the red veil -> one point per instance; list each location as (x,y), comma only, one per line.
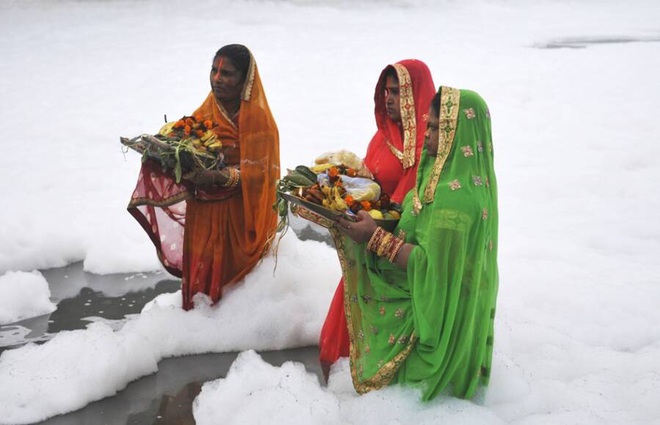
(393,153)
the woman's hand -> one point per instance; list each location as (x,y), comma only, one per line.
(360,230)
(206,177)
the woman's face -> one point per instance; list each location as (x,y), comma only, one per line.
(392,99)
(226,79)
(431,136)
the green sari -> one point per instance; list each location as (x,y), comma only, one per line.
(432,324)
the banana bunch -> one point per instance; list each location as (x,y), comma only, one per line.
(332,198)
(209,141)
(206,142)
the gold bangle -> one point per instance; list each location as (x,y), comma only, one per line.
(374,241)
(394,249)
(233,178)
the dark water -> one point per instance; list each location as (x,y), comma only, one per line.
(162,398)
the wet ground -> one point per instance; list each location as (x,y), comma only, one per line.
(162,398)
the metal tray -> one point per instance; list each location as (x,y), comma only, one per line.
(333,215)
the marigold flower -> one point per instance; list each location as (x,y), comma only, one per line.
(349,200)
(199,133)
(366,205)
(208,124)
(186,130)
(333,172)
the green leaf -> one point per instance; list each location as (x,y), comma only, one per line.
(177,165)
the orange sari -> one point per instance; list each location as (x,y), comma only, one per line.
(392,157)
(212,237)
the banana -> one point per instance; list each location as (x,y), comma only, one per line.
(209,140)
(340,204)
(335,200)
(166,129)
(320,168)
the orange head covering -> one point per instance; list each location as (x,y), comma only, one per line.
(257,138)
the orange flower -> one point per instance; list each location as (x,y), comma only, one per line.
(333,172)
(366,205)
(208,124)
(199,133)
(349,200)
(350,172)
(186,130)
(179,124)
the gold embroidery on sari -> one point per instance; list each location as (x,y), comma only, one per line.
(449,102)
(408,119)
(454,184)
(397,153)
(448,122)
(224,114)
(387,371)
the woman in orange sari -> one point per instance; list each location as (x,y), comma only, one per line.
(403,93)
(213,227)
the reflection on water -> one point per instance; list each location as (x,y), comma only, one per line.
(83,297)
(165,397)
(74,313)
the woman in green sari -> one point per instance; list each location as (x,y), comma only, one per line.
(420,302)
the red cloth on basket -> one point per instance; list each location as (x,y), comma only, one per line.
(392,157)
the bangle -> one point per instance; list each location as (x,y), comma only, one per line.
(385,244)
(394,249)
(233,178)
(375,239)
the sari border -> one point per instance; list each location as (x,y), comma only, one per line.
(224,113)
(179,197)
(448,123)
(408,119)
(246,95)
(388,371)
(449,107)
